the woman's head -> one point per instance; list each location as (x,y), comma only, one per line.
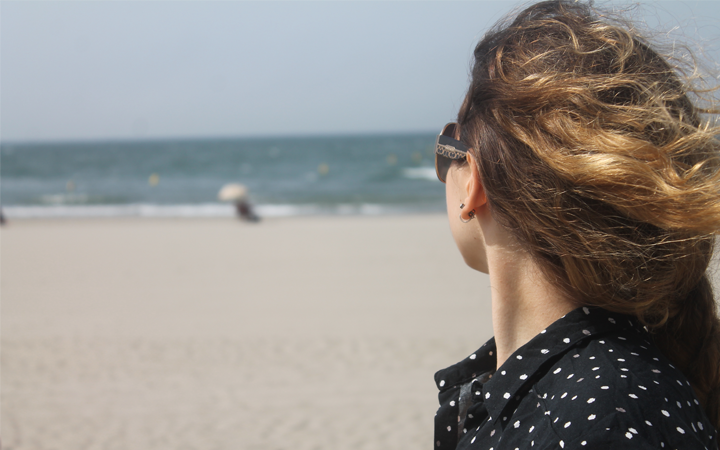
(593,156)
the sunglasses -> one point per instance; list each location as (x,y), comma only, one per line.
(447,150)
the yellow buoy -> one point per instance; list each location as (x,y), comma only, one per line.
(154,180)
(323,169)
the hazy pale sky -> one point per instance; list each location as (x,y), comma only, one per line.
(81,70)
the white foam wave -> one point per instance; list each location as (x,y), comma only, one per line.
(420,173)
(189,211)
(132,210)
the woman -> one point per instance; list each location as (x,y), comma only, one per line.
(582,178)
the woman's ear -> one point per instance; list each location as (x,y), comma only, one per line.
(476,198)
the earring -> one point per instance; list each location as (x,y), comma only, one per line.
(471,215)
(462,205)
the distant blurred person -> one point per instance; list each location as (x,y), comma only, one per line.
(238,194)
(245,211)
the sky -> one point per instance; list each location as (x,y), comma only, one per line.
(128,70)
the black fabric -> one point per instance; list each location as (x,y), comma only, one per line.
(591,380)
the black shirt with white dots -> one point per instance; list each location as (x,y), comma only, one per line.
(591,380)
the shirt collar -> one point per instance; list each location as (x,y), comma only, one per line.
(521,368)
(484,360)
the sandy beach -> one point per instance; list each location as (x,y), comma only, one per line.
(301,333)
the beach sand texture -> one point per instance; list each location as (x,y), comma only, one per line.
(301,333)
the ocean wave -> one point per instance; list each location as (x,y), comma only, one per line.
(420,173)
(131,210)
(205,210)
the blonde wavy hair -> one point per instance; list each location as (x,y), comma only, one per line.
(596,155)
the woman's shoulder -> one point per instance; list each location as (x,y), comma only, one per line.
(618,386)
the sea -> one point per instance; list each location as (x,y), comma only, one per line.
(285,176)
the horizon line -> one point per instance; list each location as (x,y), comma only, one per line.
(259,136)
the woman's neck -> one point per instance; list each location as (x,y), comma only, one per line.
(524,302)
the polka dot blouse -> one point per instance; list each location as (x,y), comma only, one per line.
(591,380)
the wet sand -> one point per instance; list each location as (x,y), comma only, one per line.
(303,333)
